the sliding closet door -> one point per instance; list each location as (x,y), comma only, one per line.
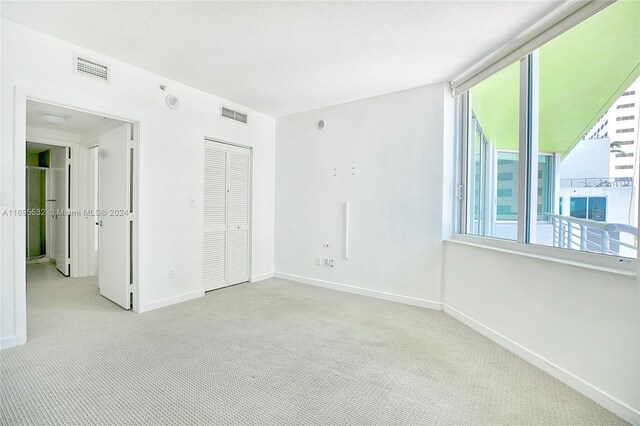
(226,215)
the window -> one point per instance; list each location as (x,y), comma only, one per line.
(538,169)
(593,208)
(493,157)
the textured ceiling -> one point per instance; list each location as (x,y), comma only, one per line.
(286,57)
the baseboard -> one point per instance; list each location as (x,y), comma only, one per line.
(362,291)
(262,277)
(172,300)
(609,402)
(7,342)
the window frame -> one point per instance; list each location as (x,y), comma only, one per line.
(527,185)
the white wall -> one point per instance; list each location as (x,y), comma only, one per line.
(579,324)
(171,163)
(583,321)
(395,143)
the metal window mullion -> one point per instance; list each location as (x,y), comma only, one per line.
(463,154)
(523,153)
(532,144)
(464,163)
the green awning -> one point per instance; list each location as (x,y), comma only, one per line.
(582,73)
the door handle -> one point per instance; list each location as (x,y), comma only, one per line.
(51,200)
(99,223)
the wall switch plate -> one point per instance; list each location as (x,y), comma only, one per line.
(172,272)
(192,202)
(325,261)
(318,261)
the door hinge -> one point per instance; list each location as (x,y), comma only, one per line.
(460,192)
(130,286)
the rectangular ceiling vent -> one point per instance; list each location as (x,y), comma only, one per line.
(233,115)
(91,68)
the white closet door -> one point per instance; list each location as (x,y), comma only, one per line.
(215,216)
(227,195)
(238,226)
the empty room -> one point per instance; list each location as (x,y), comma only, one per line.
(319,212)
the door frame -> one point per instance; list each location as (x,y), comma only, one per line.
(250,148)
(21,96)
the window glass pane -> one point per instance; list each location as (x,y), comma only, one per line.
(507,187)
(578,207)
(597,209)
(588,121)
(492,201)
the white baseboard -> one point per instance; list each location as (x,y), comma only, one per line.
(7,342)
(612,404)
(262,277)
(172,300)
(362,291)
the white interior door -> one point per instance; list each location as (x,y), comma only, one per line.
(58,202)
(215,216)
(114,185)
(226,215)
(238,213)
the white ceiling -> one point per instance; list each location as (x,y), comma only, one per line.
(286,57)
(81,125)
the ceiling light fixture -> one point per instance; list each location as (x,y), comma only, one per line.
(54,119)
(172,101)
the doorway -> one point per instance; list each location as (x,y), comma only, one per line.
(80,195)
(48,195)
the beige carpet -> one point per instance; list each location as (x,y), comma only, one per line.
(275,352)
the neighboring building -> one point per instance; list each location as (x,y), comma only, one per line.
(620,125)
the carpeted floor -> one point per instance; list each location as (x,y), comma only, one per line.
(275,352)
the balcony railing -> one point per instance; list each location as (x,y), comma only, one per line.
(596,182)
(594,236)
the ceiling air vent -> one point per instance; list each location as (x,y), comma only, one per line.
(91,68)
(233,115)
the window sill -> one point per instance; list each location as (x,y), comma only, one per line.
(610,264)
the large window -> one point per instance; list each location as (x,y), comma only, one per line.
(551,141)
(493,156)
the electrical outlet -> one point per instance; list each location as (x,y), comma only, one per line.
(332,262)
(325,261)
(172,272)
(318,261)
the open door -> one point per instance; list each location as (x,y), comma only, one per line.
(58,202)
(114,195)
